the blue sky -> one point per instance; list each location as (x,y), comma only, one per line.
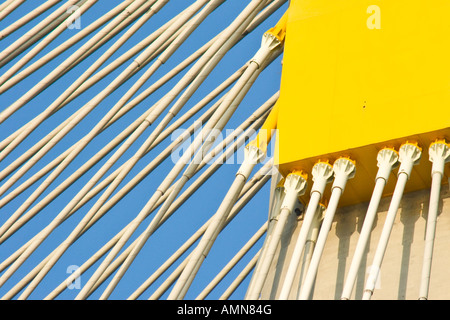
(191,215)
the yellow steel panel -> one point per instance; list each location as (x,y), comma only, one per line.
(359,75)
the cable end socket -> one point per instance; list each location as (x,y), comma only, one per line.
(439,155)
(387,159)
(322,173)
(344,169)
(409,155)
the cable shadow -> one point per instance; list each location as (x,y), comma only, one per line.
(414,205)
(285,240)
(346,225)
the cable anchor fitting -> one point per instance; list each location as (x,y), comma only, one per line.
(344,169)
(409,155)
(439,155)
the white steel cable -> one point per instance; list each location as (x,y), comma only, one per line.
(409,155)
(28,291)
(344,169)
(236,24)
(28,17)
(439,154)
(294,186)
(180,200)
(387,159)
(322,173)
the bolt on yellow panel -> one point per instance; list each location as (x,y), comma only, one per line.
(360,75)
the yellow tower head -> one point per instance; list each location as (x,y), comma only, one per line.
(359,76)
